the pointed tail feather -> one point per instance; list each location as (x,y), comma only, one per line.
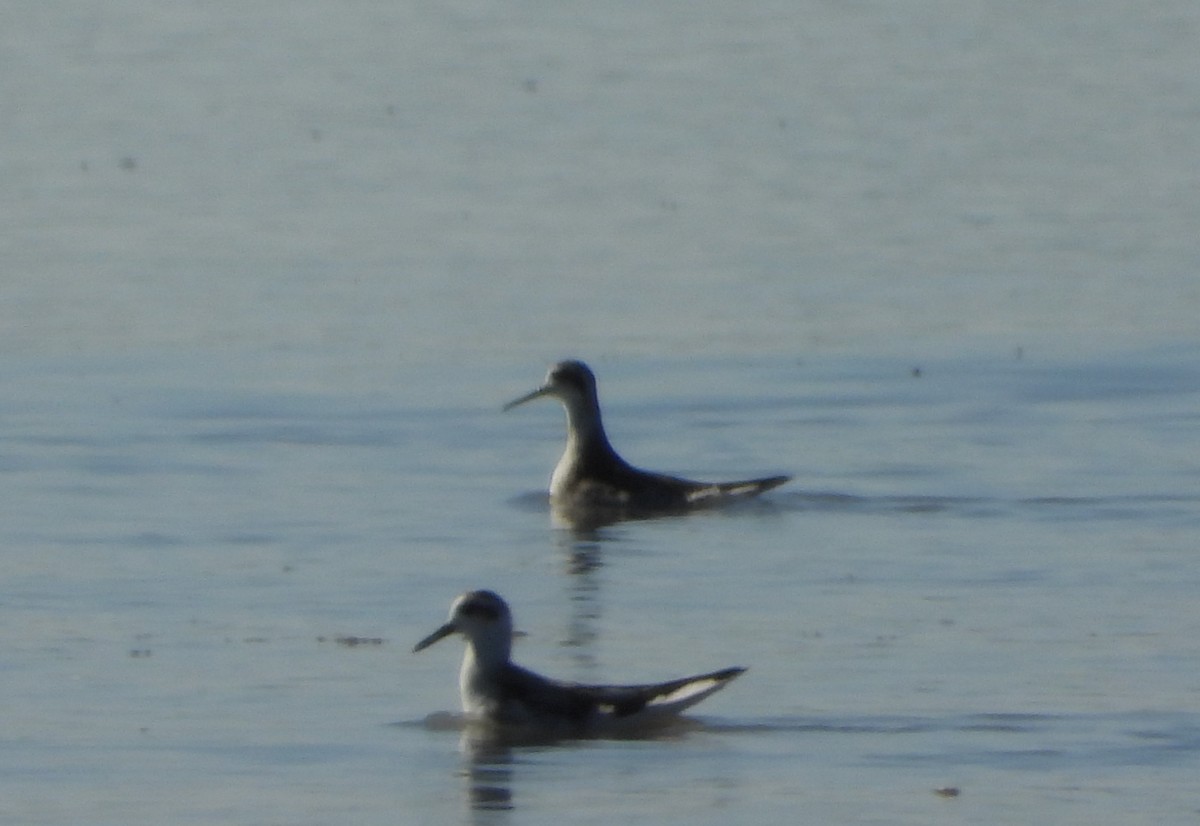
(669,699)
(753,487)
(731,490)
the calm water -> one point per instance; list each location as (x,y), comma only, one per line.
(271,271)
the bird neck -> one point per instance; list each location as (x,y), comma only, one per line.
(489,652)
(585,430)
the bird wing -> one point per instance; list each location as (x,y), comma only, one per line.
(539,698)
(611,482)
(668,698)
(724,490)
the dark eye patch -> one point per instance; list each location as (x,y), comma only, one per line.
(480,609)
(573,373)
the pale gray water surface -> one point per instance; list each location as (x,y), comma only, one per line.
(983,578)
(271,270)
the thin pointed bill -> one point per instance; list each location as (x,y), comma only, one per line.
(544,390)
(445,631)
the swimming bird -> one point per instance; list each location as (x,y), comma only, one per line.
(495,690)
(590,474)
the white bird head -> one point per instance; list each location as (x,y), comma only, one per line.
(571,382)
(484,619)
